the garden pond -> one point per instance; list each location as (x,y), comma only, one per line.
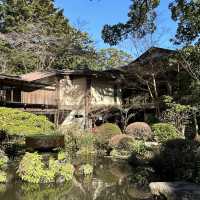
(110,181)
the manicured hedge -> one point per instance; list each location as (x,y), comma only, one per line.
(19,123)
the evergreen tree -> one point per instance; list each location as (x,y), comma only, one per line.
(34,35)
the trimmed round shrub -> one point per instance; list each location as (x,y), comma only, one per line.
(105,132)
(121,142)
(19,123)
(164,131)
(139,130)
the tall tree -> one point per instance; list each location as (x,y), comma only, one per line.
(112,58)
(34,35)
(142,21)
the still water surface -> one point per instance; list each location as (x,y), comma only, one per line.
(109,182)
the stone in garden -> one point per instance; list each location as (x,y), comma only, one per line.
(45,142)
(176,190)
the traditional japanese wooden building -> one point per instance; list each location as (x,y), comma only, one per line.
(74,95)
(64,96)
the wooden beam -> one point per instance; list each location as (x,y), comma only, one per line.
(87,102)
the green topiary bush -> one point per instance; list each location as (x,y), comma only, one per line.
(164,132)
(16,122)
(32,169)
(139,131)
(105,132)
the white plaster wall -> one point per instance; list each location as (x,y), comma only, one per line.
(102,94)
(72,92)
(72,97)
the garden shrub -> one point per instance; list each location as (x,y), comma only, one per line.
(77,140)
(87,144)
(3,177)
(3,160)
(3,166)
(67,171)
(33,170)
(87,140)
(142,176)
(138,147)
(164,131)
(121,145)
(178,161)
(116,140)
(105,132)
(17,122)
(72,133)
(86,169)
(139,130)
(120,155)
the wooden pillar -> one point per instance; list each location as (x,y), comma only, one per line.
(57,114)
(12,95)
(87,102)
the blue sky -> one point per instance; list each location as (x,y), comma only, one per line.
(94,14)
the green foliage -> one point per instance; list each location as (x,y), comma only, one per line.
(164,132)
(87,144)
(72,133)
(112,58)
(152,119)
(138,147)
(63,156)
(32,169)
(11,122)
(176,114)
(86,169)
(67,171)
(142,176)
(189,57)
(3,177)
(186,13)
(3,160)
(36,192)
(3,166)
(105,132)
(141,21)
(177,160)
(47,40)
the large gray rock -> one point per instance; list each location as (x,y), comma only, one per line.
(45,142)
(176,190)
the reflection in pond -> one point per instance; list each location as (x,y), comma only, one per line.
(110,181)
